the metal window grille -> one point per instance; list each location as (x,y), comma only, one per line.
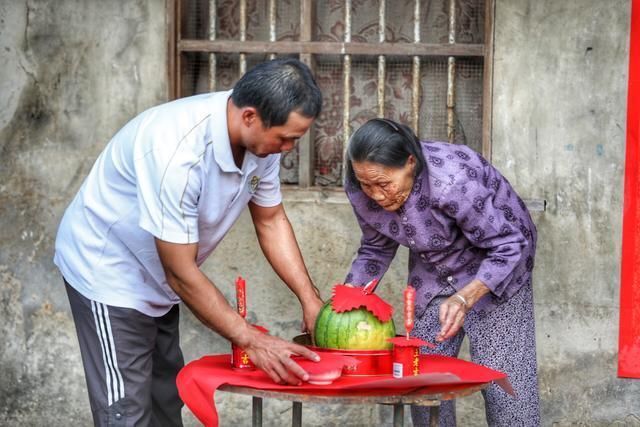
(424,63)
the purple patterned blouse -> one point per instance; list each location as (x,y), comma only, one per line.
(462,221)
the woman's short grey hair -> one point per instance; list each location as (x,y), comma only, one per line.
(385,142)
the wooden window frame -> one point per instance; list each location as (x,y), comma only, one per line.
(307,49)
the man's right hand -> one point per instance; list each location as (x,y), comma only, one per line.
(273,356)
(269,353)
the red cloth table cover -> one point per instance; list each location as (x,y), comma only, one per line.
(198,381)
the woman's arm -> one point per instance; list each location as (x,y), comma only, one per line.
(374,255)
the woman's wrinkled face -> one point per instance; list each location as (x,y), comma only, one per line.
(387,186)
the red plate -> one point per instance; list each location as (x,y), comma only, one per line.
(327,369)
(372,362)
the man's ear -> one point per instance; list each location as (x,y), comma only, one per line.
(249,116)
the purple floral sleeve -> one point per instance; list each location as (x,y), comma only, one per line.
(374,255)
(488,224)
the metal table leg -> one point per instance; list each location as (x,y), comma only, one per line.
(296,420)
(398,415)
(256,412)
(434,416)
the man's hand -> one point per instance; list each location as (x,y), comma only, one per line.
(310,311)
(273,356)
(454,309)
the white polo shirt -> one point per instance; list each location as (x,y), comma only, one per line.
(168,173)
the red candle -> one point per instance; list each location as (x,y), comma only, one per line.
(409,308)
(241,296)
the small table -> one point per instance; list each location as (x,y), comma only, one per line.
(441,378)
(430,398)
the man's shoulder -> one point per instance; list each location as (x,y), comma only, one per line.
(186,118)
(177,105)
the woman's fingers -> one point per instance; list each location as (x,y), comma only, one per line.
(445,331)
(444,310)
(451,318)
(455,325)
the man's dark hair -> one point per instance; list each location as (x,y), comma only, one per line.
(385,142)
(276,88)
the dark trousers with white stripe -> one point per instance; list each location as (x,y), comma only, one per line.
(130,361)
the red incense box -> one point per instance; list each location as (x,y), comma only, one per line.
(371,362)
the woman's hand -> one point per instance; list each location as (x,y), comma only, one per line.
(454,309)
(452,314)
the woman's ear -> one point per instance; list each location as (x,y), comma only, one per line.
(411,162)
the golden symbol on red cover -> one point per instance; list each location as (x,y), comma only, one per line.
(245,358)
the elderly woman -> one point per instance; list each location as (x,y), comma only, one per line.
(471,249)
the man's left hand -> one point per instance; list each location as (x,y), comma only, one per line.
(310,311)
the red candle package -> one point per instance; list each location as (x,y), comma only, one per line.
(406,356)
(239,358)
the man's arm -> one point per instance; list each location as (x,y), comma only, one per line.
(269,353)
(280,247)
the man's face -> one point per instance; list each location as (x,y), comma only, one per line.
(263,141)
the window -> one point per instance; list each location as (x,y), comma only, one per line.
(424,63)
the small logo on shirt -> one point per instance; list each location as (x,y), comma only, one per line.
(253,184)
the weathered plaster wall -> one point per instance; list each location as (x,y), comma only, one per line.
(559,134)
(73,72)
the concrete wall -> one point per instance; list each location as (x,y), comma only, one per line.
(559,134)
(73,72)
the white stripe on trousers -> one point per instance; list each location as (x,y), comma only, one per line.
(115,384)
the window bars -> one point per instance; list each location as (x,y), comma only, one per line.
(353,50)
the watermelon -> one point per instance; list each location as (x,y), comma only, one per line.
(356,329)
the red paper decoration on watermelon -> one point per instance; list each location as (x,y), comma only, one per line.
(347,298)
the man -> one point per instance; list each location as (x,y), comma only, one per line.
(157,202)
